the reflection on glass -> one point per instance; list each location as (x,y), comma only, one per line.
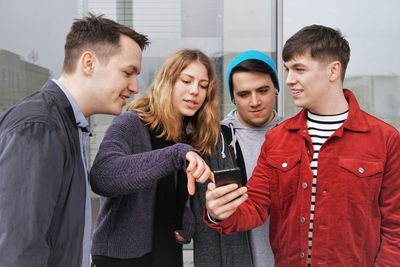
(219,28)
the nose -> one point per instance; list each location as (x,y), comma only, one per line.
(254,100)
(194,88)
(133,85)
(290,79)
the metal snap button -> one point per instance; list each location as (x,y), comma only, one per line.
(284,165)
(361,170)
(302,219)
(305,185)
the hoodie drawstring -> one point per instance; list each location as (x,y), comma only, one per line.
(223,146)
(234,139)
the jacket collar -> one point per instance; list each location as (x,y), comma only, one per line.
(355,121)
(60,98)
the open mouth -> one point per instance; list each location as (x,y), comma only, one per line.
(296,92)
(190,103)
(123,98)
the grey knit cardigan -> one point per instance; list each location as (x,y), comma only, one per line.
(125,174)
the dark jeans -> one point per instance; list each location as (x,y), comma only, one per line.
(103,261)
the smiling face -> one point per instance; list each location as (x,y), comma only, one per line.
(254,95)
(190,89)
(309,82)
(115,79)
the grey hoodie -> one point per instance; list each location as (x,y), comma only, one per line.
(250,142)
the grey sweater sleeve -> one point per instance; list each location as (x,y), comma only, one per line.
(126,163)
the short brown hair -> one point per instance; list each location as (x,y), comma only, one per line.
(322,42)
(100,35)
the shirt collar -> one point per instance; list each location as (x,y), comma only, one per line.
(356,120)
(81,121)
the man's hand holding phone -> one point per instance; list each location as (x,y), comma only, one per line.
(222,201)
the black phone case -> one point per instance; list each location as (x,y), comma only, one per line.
(228,176)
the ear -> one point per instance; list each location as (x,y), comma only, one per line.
(335,72)
(87,62)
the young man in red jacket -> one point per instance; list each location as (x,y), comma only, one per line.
(329,178)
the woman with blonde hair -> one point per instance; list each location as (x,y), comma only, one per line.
(139,171)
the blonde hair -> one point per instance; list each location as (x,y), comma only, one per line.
(157,111)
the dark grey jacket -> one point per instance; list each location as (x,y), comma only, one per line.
(210,248)
(42,183)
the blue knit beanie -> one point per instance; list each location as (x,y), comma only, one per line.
(251,54)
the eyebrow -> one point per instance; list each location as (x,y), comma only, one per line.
(191,76)
(258,88)
(133,68)
(295,65)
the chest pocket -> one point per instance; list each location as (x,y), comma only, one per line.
(361,168)
(286,173)
(361,180)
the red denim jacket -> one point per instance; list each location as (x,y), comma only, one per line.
(357,213)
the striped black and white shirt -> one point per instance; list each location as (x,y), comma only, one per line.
(320,128)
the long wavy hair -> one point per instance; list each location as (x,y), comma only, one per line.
(156,109)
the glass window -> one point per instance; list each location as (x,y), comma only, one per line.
(33,36)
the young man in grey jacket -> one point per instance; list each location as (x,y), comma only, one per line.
(253,85)
(44,193)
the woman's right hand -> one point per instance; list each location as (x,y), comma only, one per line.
(197,171)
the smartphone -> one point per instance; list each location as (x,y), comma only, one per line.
(228,176)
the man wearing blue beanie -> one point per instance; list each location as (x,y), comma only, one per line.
(252,81)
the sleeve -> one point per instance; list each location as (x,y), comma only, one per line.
(31,168)
(254,211)
(389,202)
(121,167)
